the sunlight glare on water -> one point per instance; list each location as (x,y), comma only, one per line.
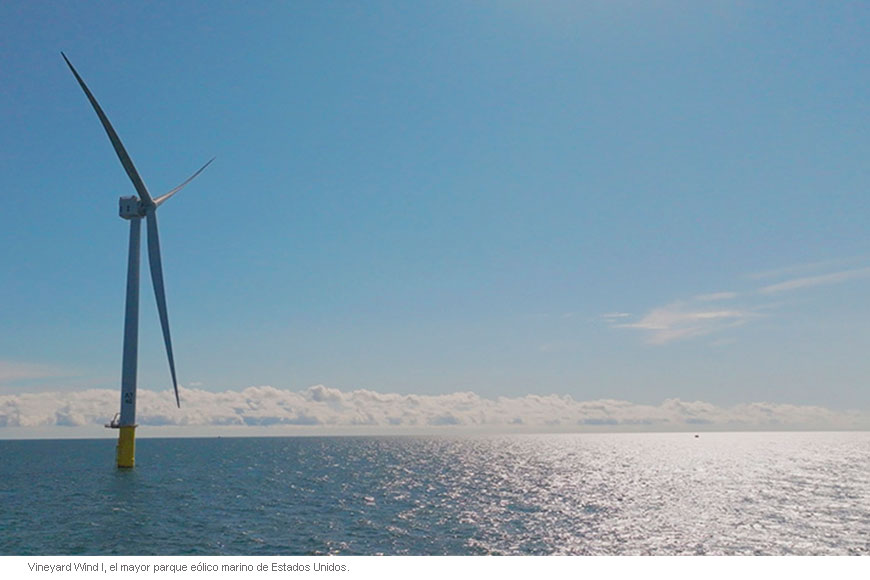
(626,494)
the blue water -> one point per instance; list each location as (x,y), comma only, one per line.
(735,493)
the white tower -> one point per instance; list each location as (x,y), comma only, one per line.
(134,209)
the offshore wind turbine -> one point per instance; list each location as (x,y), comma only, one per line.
(134,209)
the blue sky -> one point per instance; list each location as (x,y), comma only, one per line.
(604,199)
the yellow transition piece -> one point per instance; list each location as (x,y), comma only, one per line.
(126,446)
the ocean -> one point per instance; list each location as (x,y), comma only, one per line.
(588,494)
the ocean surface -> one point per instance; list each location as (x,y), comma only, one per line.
(617,494)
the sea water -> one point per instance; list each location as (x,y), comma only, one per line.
(619,494)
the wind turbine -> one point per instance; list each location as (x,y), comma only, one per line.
(134,209)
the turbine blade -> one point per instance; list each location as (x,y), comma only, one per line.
(159,292)
(172,192)
(113,137)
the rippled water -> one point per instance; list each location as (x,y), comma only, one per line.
(734,493)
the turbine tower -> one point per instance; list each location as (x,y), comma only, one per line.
(134,209)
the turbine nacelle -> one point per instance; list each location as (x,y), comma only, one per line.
(131,208)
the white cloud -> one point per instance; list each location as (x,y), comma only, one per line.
(615,315)
(320,409)
(820,280)
(806,269)
(693,318)
(716,296)
(681,320)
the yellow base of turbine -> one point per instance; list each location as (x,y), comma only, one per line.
(126,449)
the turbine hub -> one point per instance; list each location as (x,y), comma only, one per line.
(131,207)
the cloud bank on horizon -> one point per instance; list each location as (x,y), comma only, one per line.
(320,408)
